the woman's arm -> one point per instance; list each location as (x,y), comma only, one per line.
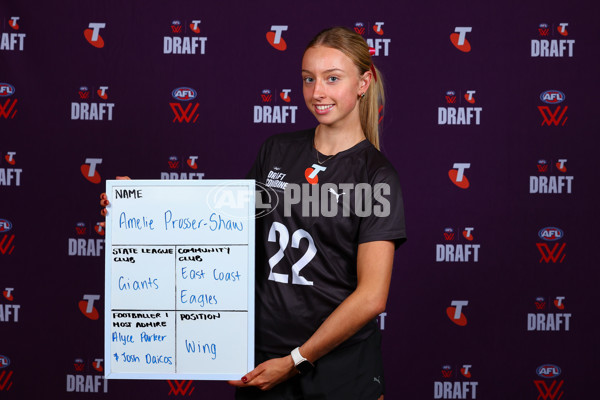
(374,273)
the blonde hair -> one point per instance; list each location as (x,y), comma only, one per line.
(356,49)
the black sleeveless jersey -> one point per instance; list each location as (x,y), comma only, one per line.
(313,214)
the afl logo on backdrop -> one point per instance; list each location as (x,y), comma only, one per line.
(551,234)
(5,225)
(548,371)
(552,97)
(184,94)
(6,89)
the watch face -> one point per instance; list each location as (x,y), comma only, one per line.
(304,367)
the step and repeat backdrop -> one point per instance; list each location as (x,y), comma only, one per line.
(490,121)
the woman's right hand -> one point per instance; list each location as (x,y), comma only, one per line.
(104,200)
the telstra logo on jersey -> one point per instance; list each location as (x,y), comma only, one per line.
(7,103)
(10,176)
(86,243)
(184,94)
(275,39)
(457,252)
(551,184)
(92,34)
(311,174)
(459,38)
(459,115)
(13,41)
(9,312)
(92,111)
(551,234)
(457,175)
(86,306)
(88,170)
(265,113)
(464,388)
(553,117)
(552,47)
(185,44)
(179,170)
(454,312)
(543,320)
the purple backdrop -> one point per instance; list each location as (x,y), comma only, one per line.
(493,281)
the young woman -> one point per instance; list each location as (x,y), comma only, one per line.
(323,272)
(324,261)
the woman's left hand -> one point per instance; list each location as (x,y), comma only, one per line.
(268,374)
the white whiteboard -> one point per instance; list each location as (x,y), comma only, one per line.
(179,279)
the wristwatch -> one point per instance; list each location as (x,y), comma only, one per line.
(302,364)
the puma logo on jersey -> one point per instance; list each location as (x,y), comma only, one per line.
(337,196)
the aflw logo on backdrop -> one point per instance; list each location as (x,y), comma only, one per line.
(375,37)
(7,102)
(552,250)
(269,112)
(556,116)
(13,40)
(7,237)
(184,95)
(86,110)
(548,47)
(185,39)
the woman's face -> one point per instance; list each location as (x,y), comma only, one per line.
(332,86)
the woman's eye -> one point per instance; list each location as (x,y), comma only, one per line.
(333,78)
(307,79)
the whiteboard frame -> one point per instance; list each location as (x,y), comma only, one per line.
(249,184)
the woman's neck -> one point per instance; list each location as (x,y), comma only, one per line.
(329,141)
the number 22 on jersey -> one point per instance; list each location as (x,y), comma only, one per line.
(284,238)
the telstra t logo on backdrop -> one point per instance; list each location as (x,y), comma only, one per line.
(92,34)
(86,306)
(88,170)
(275,38)
(457,175)
(459,38)
(454,312)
